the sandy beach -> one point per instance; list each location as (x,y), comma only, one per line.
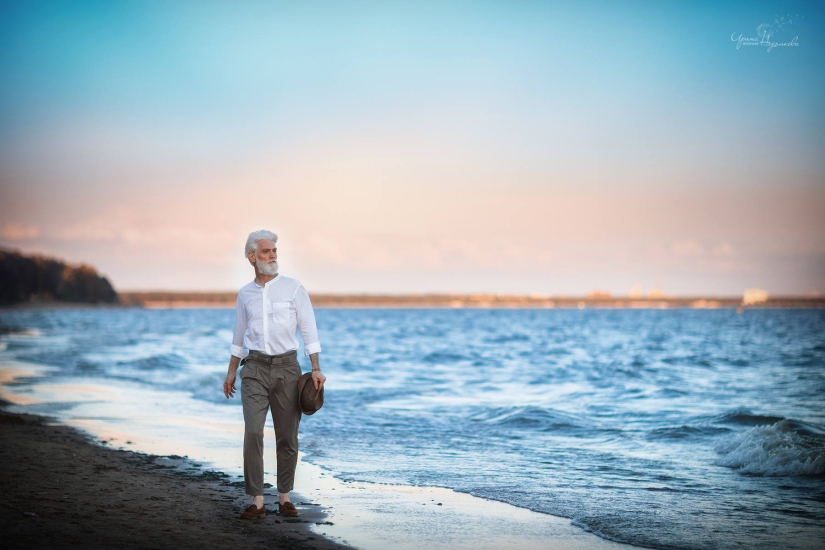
(60,490)
(80,485)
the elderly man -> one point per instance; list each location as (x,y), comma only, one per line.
(268,315)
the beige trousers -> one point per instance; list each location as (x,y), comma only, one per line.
(270,381)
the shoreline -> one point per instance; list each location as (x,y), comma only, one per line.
(93,496)
(87,480)
(62,489)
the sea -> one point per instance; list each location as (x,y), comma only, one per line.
(662,428)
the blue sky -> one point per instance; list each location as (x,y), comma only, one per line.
(412,147)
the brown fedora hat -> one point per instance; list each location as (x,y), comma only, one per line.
(310,399)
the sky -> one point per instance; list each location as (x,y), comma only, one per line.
(411,147)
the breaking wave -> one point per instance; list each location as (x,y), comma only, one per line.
(786,448)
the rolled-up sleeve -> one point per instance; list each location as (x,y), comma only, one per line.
(237,348)
(306,321)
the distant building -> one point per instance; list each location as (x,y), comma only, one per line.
(705,304)
(635,292)
(656,293)
(598,294)
(754,296)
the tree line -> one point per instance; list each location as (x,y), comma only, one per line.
(26,278)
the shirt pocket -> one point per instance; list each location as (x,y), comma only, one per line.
(282,312)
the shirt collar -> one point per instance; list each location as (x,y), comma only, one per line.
(278,276)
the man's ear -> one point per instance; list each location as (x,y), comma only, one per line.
(251,258)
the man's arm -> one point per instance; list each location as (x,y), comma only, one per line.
(236,349)
(306,321)
(229,383)
(309,332)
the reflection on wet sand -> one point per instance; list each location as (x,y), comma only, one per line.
(13,373)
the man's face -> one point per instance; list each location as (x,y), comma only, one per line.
(266,257)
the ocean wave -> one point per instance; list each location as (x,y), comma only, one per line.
(684,432)
(746,418)
(805,359)
(531,416)
(786,448)
(557,350)
(444,357)
(162,362)
(19,331)
(507,338)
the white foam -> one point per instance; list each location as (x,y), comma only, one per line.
(786,448)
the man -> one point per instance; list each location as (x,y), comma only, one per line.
(268,315)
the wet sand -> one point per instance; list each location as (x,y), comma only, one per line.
(60,490)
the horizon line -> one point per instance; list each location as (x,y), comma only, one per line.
(599,295)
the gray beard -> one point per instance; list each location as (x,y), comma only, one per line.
(268,269)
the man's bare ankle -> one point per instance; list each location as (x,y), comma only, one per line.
(283,497)
(258,501)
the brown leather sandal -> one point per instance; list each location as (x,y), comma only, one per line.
(287,509)
(253,512)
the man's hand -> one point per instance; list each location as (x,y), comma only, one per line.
(229,385)
(318,379)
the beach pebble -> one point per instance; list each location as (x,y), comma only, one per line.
(29,515)
(439,504)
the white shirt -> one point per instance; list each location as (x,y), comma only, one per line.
(267,318)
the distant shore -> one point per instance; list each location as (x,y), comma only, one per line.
(194,300)
(156,299)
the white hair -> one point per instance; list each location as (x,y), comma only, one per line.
(255,236)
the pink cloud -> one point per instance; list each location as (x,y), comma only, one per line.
(18,231)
